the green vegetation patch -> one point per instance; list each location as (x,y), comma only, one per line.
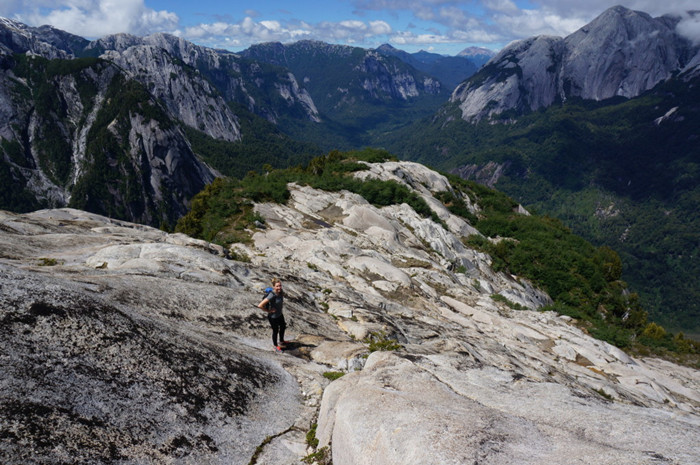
(333,375)
(612,170)
(379,340)
(262,143)
(583,280)
(223,211)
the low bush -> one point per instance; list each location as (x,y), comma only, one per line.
(379,341)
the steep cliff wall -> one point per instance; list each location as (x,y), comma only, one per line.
(81,133)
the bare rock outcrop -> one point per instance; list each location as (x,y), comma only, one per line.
(122,343)
(190,97)
(434,409)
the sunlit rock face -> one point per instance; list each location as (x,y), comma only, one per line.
(122,343)
(622,53)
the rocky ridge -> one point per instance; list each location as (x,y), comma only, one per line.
(620,53)
(183,88)
(16,37)
(127,344)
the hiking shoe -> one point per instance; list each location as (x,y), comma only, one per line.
(278,349)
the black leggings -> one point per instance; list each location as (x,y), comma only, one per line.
(278,326)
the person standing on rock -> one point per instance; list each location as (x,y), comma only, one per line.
(272,303)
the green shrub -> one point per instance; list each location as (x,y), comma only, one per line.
(321,456)
(311,439)
(333,375)
(48,261)
(379,341)
(509,303)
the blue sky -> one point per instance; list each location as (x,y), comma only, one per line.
(441,26)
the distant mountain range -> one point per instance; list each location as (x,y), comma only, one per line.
(168,116)
(132,127)
(107,125)
(447,69)
(359,93)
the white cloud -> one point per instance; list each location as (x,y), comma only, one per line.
(452,16)
(379,27)
(408,38)
(96,18)
(476,36)
(248,31)
(690,27)
(272,25)
(352,31)
(245,32)
(455,37)
(502,6)
(532,22)
(352,24)
(485,22)
(589,9)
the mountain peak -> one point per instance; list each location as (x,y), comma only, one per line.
(12,24)
(387,47)
(622,52)
(471,51)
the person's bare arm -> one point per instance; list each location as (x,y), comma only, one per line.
(262,305)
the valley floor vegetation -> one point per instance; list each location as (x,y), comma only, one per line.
(619,172)
(583,281)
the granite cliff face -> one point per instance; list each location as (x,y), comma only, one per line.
(126,344)
(620,53)
(84,134)
(188,96)
(271,93)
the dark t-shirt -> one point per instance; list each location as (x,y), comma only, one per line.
(276,302)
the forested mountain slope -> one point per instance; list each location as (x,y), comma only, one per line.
(621,172)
